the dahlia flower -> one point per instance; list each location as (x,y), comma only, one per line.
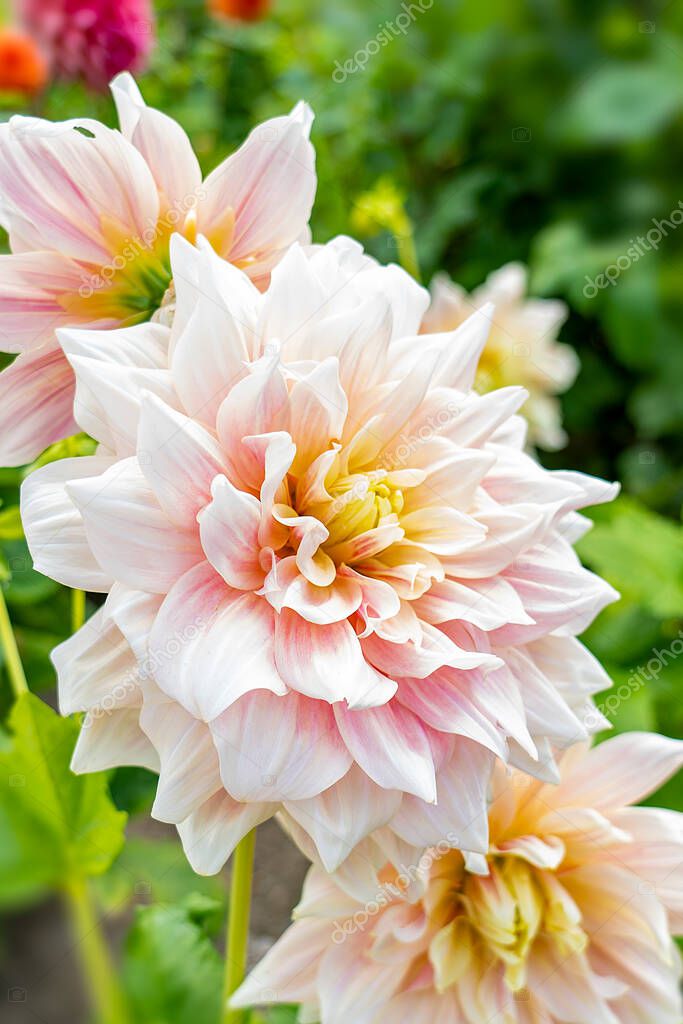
(91,40)
(23,67)
(90,212)
(522,346)
(338,585)
(566,919)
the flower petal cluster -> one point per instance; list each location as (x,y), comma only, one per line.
(90,213)
(338,587)
(522,346)
(92,40)
(568,917)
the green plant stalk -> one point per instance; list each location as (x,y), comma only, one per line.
(106,996)
(238,925)
(407,253)
(15,669)
(100,975)
(77,609)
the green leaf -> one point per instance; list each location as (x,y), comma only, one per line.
(156,870)
(172,971)
(640,553)
(10,524)
(621,103)
(53,824)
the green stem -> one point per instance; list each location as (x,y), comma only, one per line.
(99,973)
(77,609)
(15,669)
(238,925)
(407,253)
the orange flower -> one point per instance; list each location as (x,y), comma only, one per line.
(242,10)
(22,65)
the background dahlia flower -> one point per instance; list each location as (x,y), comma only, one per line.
(522,346)
(23,67)
(338,585)
(567,918)
(90,213)
(91,40)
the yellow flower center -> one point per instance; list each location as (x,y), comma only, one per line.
(497,917)
(361,502)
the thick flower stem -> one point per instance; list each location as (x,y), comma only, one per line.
(15,669)
(77,609)
(238,925)
(106,996)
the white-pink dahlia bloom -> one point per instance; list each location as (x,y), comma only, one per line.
(566,920)
(522,346)
(347,587)
(90,212)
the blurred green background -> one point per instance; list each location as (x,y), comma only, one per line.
(537,130)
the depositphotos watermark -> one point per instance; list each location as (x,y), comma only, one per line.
(391,891)
(639,678)
(388,31)
(638,247)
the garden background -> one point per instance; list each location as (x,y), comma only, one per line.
(493,130)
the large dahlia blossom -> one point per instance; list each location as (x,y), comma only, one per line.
(90,213)
(345,587)
(566,920)
(522,346)
(91,40)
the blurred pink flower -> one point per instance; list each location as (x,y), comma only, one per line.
(567,918)
(90,212)
(343,586)
(91,40)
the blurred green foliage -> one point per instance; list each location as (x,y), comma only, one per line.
(547,131)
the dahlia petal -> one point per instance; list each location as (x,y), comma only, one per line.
(460,814)
(275,453)
(202,279)
(270,184)
(36,400)
(228,527)
(210,834)
(547,713)
(140,347)
(326,662)
(655,854)
(61,186)
(566,986)
(379,600)
(547,853)
(178,458)
(486,603)
(129,534)
(510,531)
(443,531)
(318,408)
(226,643)
(112,740)
(391,746)
(35,293)
(314,563)
(96,668)
(434,651)
(108,398)
(162,142)
(343,815)
(257,404)
(134,612)
(442,706)
(54,527)
(452,478)
(285,587)
(278,748)
(347,993)
(288,971)
(188,772)
(481,415)
(621,771)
